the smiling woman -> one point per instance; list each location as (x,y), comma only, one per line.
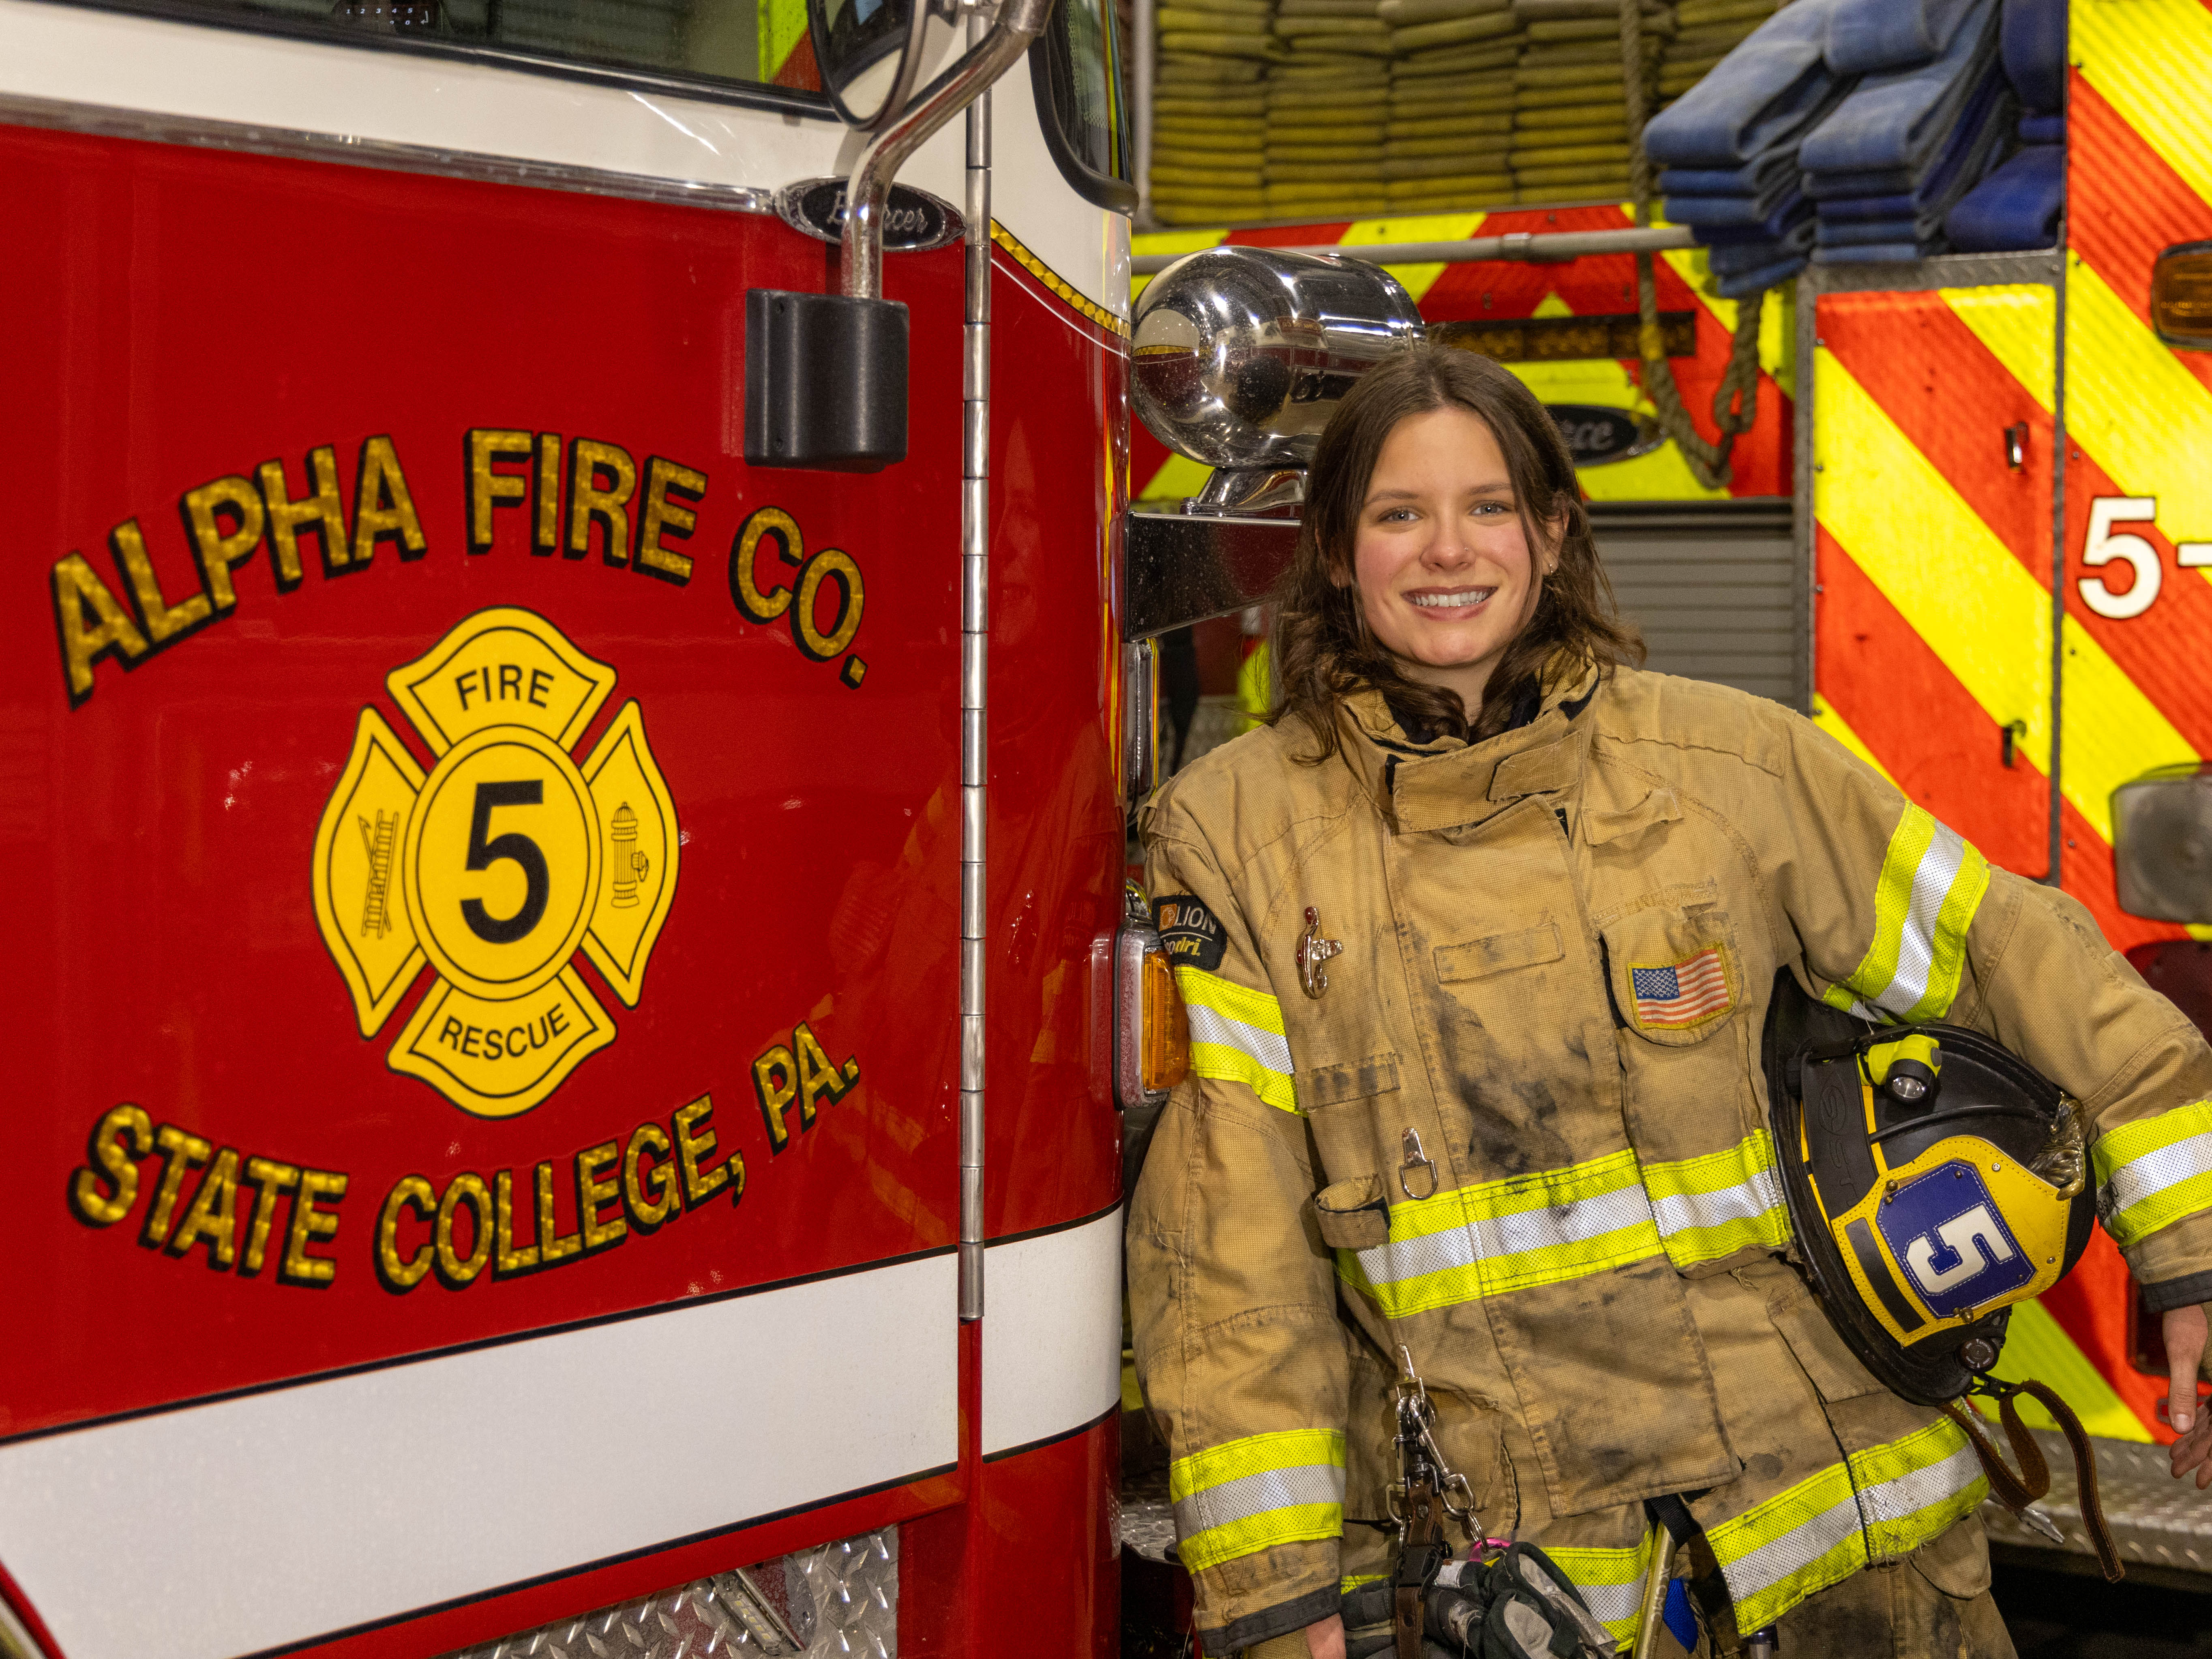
(1445,557)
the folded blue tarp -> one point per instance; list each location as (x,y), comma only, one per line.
(1731,211)
(1864,210)
(2035,52)
(2015,207)
(1975,143)
(1777,226)
(1899,120)
(1906,229)
(1874,253)
(1767,180)
(1771,88)
(2042,129)
(1866,182)
(1866,37)
(1755,281)
(1734,261)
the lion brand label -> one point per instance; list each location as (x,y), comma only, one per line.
(1191,933)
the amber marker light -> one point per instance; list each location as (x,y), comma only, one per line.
(2181,296)
(1165,1038)
(1152,1033)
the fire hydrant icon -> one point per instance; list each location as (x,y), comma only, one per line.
(628,865)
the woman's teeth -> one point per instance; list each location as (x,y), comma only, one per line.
(1452,601)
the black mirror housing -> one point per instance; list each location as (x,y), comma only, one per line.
(825,381)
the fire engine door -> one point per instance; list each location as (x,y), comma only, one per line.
(478,847)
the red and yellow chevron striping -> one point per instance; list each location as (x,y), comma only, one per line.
(1912,718)
(1913,490)
(1935,556)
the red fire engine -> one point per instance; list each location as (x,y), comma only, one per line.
(512,832)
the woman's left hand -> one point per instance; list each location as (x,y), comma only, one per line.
(2185,1331)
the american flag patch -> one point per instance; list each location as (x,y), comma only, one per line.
(1682,994)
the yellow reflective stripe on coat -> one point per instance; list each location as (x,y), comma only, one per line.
(1236,1035)
(1251,1494)
(1611,1583)
(2155,1172)
(1507,1235)
(1711,1206)
(1930,885)
(1878,1504)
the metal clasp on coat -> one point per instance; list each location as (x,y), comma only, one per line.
(1313,951)
(1416,1159)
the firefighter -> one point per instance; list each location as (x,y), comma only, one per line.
(1477,939)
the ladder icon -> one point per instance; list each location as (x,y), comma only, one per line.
(375,916)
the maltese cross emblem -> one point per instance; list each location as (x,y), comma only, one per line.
(497,865)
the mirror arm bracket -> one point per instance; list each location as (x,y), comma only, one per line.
(861,251)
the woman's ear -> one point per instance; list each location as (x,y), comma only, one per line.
(1554,532)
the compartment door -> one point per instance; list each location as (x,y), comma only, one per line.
(1932,501)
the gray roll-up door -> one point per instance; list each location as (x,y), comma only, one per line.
(1715,588)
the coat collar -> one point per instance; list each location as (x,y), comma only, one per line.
(1446,783)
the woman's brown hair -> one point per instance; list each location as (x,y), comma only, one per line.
(1323,647)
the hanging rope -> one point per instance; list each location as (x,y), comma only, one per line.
(1735,401)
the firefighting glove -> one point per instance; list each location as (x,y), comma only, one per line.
(1370,1623)
(1534,1611)
(1519,1606)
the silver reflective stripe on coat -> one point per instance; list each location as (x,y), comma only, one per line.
(1488,1238)
(1916,949)
(1271,1050)
(1255,1494)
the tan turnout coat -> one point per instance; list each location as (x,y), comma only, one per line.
(1592,1272)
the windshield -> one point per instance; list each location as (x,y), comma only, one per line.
(1082,103)
(733,44)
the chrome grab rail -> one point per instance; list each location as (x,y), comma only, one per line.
(1539,247)
(860,260)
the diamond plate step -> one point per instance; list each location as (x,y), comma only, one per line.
(2156,1521)
(1147,1517)
(835,1601)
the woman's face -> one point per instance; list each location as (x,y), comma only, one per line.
(1445,574)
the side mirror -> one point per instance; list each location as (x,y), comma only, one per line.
(869,52)
(1240,356)
(826,373)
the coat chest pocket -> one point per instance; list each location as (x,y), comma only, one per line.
(1675,973)
(1349,1109)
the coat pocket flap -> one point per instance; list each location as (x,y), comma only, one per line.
(1500,953)
(1353,1215)
(1660,806)
(1332,1086)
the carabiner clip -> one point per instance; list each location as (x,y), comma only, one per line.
(1416,1159)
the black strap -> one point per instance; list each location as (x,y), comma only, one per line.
(1671,1511)
(2017,1492)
